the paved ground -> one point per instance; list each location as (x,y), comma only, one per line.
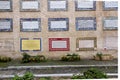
(58,68)
(49,63)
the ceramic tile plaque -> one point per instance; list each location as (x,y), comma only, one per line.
(58,24)
(30,24)
(28,45)
(85,23)
(111,23)
(5,5)
(6,45)
(111,42)
(5,24)
(110,5)
(30,5)
(59,44)
(86,43)
(84,5)
(57,5)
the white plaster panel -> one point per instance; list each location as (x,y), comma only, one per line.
(4,4)
(111,4)
(58,4)
(30,5)
(85,23)
(59,44)
(85,4)
(5,25)
(58,24)
(111,23)
(30,25)
(86,43)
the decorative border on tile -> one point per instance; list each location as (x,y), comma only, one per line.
(86,49)
(11,25)
(57,9)
(30,19)
(58,19)
(29,10)
(85,9)
(85,18)
(28,39)
(21,44)
(107,9)
(59,49)
(7,10)
(110,28)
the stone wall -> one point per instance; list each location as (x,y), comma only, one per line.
(10,41)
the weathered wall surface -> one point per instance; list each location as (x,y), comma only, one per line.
(14,37)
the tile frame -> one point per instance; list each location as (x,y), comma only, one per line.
(54,10)
(108,9)
(30,39)
(29,10)
(86,49)
(59,39)
(30,19)
(58,19)
(85,9)
(111,28)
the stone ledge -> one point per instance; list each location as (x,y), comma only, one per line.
(52,75)
(60,66)
(54,66)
